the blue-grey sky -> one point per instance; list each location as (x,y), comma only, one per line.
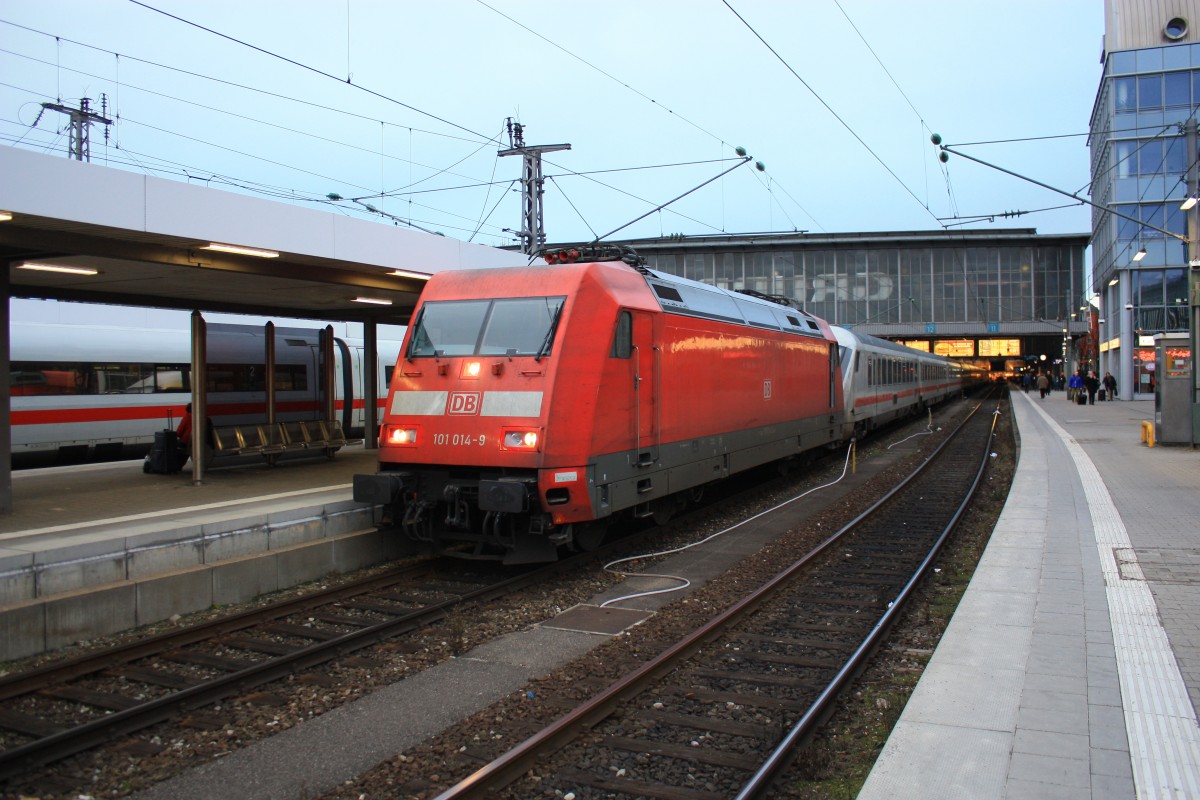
(628,83)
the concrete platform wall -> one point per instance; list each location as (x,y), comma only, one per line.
(92,585)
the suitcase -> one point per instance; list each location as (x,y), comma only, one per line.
(1101,395)
(1081,398)
(164,457)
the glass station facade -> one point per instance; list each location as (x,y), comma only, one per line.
(1140,162)
(967,288)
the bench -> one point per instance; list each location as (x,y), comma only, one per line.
(234,443)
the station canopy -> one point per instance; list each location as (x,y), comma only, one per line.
(133,239)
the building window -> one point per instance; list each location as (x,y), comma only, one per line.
(1175,29)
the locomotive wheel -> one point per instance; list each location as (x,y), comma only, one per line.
(588,536)
(665,508)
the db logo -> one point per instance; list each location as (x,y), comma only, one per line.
(466,403)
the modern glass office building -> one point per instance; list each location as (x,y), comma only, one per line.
(1149,91)
(1002,296)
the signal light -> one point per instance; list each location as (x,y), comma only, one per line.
(472,369)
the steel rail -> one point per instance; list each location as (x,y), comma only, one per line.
(102,729)
(761,782)
(89,663)
(516,762)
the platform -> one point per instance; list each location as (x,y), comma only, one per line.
(1072,666)
(100,548)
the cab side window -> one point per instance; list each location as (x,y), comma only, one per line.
(622,346)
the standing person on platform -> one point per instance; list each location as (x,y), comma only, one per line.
(1074,386)
(1110,386)
(1026,382)
(1043,382)
(1092,384)
(184,432)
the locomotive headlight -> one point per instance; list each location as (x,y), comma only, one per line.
(400,436)
(472,369)
(519,440)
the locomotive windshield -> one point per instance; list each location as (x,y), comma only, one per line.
(520,326)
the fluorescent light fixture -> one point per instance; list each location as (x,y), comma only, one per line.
(5,216)
(373,300)
(56,268)
(241,251)
(1139,255)
(1187,204)
(1114,281)
(403,273)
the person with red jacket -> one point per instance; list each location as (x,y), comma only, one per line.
(184,433)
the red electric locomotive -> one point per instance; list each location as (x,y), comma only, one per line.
(530,406)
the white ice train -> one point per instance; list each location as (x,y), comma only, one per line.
(100,392)
(883,381)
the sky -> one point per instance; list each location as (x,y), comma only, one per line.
(402,106)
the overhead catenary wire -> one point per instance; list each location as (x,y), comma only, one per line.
(396,193)
(574,207)
(921,117)
(589,177)
(222,81)
(315,71)
(242,183)
(636,91)
(608,75)
(828,108)
(745,160)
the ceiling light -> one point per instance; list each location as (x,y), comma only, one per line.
(57,268)
(403,273)
(5,216)
(1139,255)
(241,251)
(1187,204)
(373,300)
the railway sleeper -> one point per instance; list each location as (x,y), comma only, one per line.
(683,753)
(154,677)
(711,696)
(26,724)
(77,694)
(760,679)
(747,730)
(634,788)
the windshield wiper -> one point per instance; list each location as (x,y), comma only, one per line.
(549,334)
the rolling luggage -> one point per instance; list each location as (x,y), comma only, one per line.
(164,457)
(1081,398)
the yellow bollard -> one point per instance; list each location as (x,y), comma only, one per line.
(1148,432)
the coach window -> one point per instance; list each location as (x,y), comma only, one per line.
(622,346)
(168,379)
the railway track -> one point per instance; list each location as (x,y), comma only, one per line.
(82,704)
(720,713)
(69,707)
(72,706)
